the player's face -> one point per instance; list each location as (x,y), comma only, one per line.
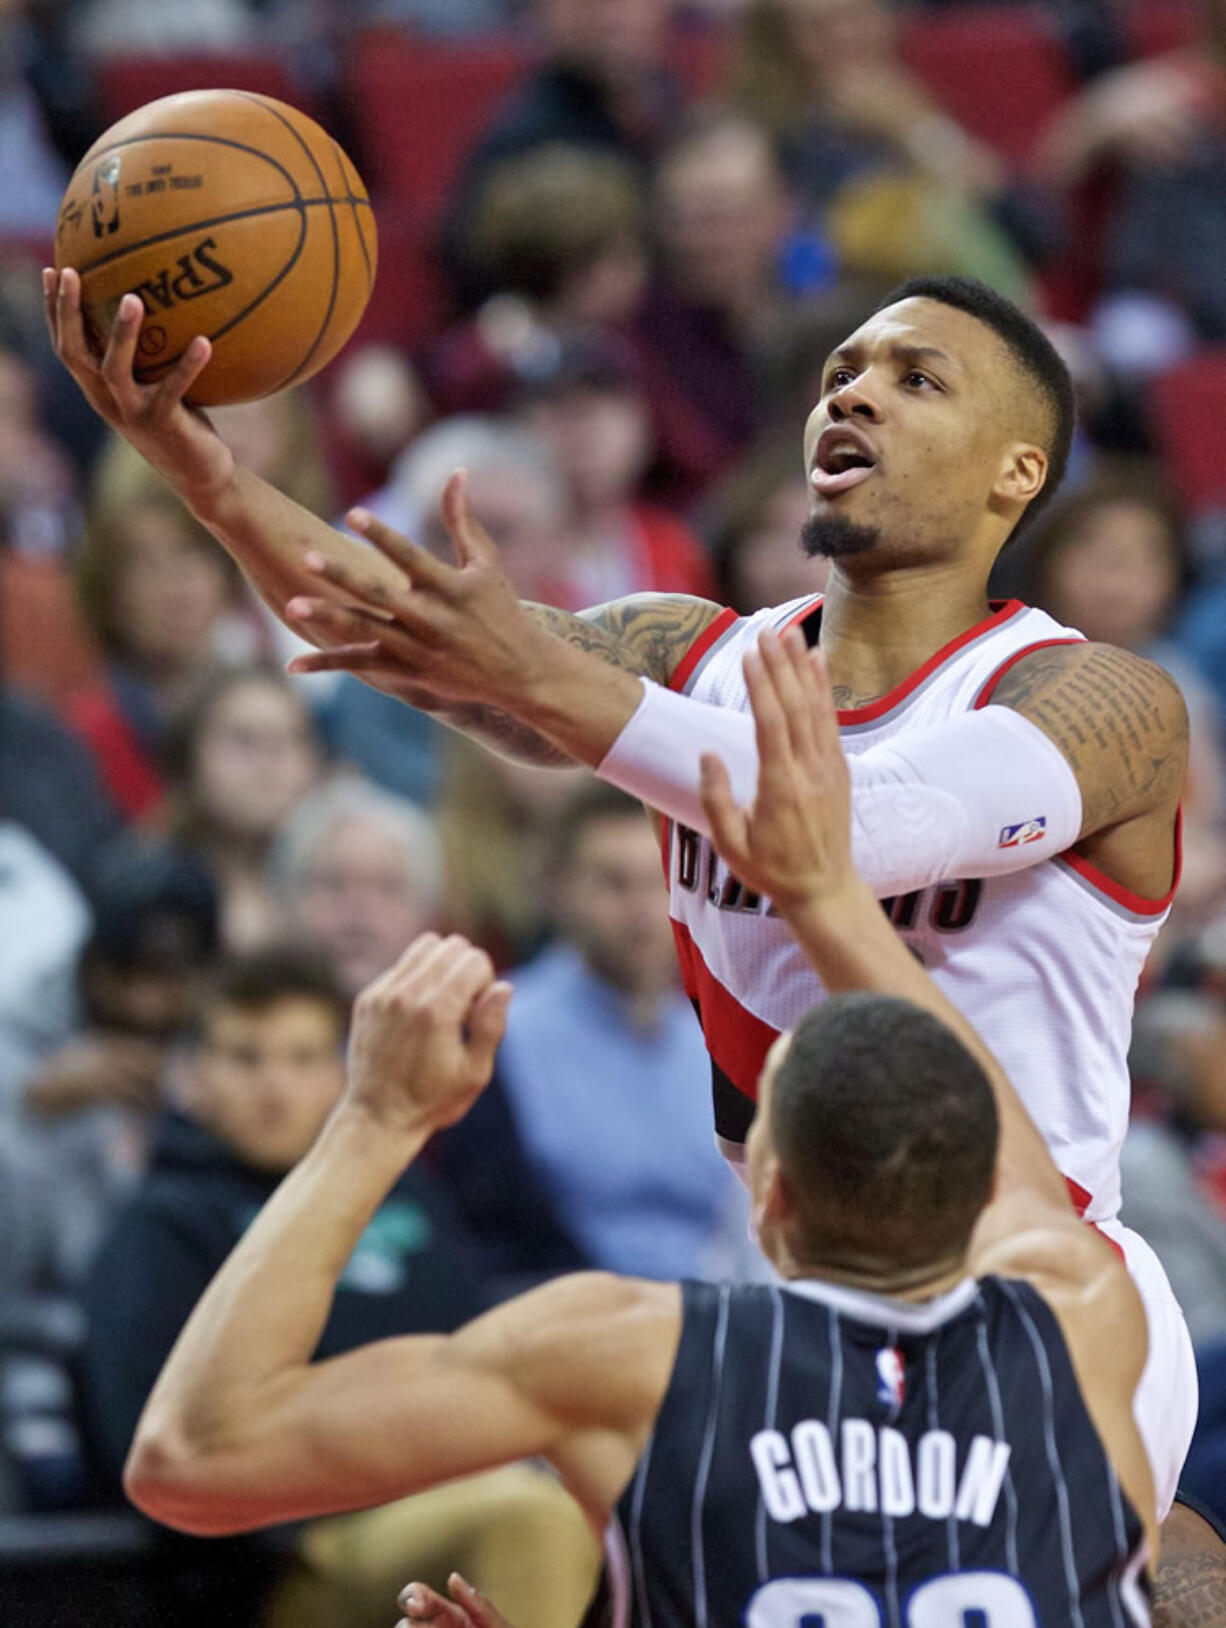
(909,442)
(267,1080)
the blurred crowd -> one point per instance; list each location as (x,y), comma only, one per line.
(619,239)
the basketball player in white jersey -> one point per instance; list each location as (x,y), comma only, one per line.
(1023,783)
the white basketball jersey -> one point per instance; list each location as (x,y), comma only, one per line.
(1044,962)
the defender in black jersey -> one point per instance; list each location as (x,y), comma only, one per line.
(926,1423)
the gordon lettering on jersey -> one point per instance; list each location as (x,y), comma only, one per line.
(875,1468)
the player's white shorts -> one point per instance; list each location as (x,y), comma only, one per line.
(1166,1399)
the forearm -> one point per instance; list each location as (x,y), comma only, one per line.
(851,945)
(268,533)
(980,795)
(261,1317)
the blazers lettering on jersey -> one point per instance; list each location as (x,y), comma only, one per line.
(877,1469)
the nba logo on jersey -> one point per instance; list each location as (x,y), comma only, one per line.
(1017,836)
(891,1377)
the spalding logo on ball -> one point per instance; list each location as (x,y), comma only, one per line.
(230,215)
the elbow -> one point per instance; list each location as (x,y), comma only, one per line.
(181,1485)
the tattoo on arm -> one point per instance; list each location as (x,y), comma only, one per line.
(1190,1591)
(645,634)
(1119,720)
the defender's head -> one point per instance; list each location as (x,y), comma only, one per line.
(874,1145)
(944,419)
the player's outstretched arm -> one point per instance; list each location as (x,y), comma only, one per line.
(455,640)
(242,1429)
(273,538)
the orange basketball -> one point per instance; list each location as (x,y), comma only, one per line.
(231,215)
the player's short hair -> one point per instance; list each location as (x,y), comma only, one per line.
(258,981)
(885,1129)
(1032,352)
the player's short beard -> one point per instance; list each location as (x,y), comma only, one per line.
(831,536)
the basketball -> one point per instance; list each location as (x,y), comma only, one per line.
(231,215)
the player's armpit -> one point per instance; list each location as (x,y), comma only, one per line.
(1119,720)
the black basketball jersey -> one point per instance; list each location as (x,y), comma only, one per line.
(824,1458)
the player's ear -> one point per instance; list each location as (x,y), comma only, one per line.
(1022,472)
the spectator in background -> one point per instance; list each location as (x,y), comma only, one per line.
(359,873)
(1179,1105)
(267,1068)
(721,213)
(559,236)
(1111,561)
(89,1106)
(240,757)
(754,520)
(598,1124)
(495,820)
(604,85)
(38,500)
(1154,133)
(590,409)
(901,188)
(517,492)
(160,598)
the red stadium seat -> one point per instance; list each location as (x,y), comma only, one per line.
(418,110)
(1189,409)
(1001,72)
(129,82)
(409,302)
(1162,25)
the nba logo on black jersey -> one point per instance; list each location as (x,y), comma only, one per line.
(891,1377)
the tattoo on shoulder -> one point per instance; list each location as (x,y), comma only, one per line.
(645,634)
(1119,720)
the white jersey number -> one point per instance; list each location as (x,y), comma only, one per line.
(993,1599)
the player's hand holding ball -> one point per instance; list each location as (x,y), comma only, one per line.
(793,843)
(424,1036)
(211,247)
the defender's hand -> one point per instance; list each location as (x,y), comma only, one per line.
(446,633)
(176,439)
(424,1035)
(794,843)
(470,1609)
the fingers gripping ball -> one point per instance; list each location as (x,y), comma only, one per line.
(230,215)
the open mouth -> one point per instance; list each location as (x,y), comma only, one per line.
(845,458)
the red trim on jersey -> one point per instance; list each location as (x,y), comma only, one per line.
(737,1040)
(802,614)
(1080,1197)
(1107,1238)
(1001,613)
(699,648)
(1135,902)
(989,688)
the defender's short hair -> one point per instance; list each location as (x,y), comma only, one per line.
(885,1129)
(1032,352)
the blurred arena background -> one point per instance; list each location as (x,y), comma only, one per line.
(617,240)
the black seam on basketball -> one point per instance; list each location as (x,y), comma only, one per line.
(188,228)
(150,376)
(350,200)
(268,107)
